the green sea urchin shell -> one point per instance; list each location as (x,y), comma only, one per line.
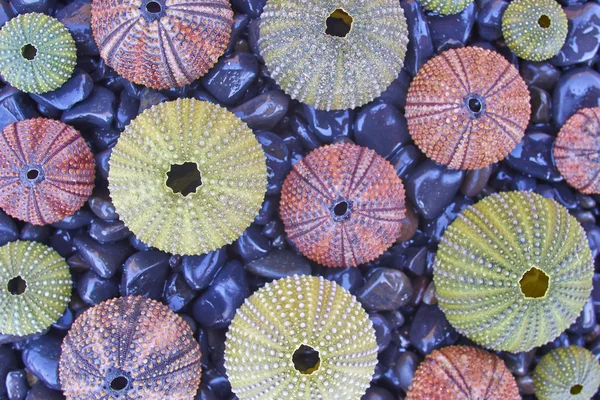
(187,177)
(513,271)
(35,287)
(37,53)
(567,373)
(446,6)
(534,29)
(333,55)
(295,315)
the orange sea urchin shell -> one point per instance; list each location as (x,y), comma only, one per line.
(46,170)
(161,43)
(463,373)
(130,348)
(342,205)
(467,108)
(577,150)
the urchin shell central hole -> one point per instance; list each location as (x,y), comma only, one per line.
(534,283)
(184,178)
(33,174)
(339,23)
(306,360)
(340,209)
(153,7)
(474,105)
(545,21)
(119,383)
(576,389)
(29,51)
(17,286)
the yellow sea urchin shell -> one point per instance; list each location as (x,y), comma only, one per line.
(513,271)
(333,54)
(187,177)
(35,287)
(290,316)
(567,373)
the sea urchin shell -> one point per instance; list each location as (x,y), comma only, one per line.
(300,337)
(47,170)
(567,373)
(463,373)
(187,177)
(333,55)
(513,271)
(446,6)
(130,348)
(467,108)
(35,287)
(577,150)
(342,205)
(535,30)
(37,53)
(161,43)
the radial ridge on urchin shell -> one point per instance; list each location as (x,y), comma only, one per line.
(187,177)
(300,337)
(462,373)
(342,205)
(161,43)
(35,287)
(333,55)
(446,7)
(513,271)
(47,170)
(577,150)
(535,30)
(37,53)
(567,373)
(467,108)
(130,348)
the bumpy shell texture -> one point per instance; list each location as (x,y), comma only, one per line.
(46,170)
(467,108)
(463,373)
(513,271)
(535,30)
(342,205)
(333,71)
(35,287)
(446,6)
(130,348)
(577,150)
(567,373)
(284,315)
(37,53)
(227,157)
(161,43)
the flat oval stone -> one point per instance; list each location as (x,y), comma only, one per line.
(97,110)
(279,264)
(576,89)
(199,271)
(77,17)
(431,188)
(93,289)
(420,46)
(263,111)
(278,162)
(533,156)
(381,127)
(144,274)
(177,292)
(40,357)
(386,289)
(105,260)
(583,37)
(430,330)
(216,307)
(76,89)
(229,79)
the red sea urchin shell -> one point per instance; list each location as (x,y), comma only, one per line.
(46,170)
(577,150)
(463,373)
(467,108)
(161,43)
(130,348)
(342,205)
